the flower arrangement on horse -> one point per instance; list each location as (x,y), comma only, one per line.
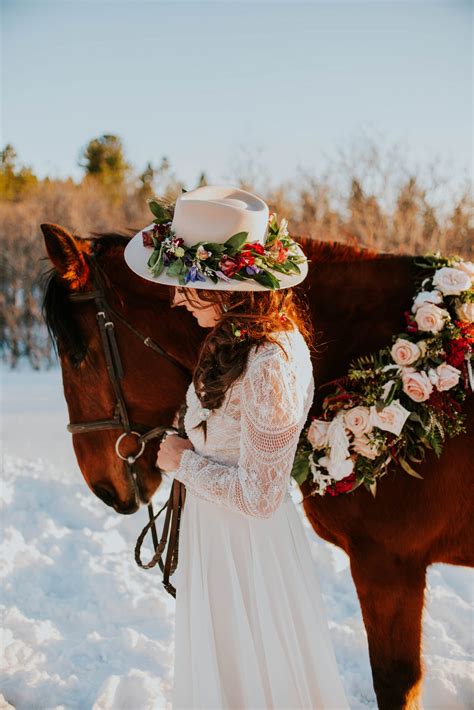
(394,405)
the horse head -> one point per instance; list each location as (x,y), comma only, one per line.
(111,329)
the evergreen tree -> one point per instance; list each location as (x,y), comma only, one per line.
(103,160)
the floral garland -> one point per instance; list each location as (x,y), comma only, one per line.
(234,259)
(394,405)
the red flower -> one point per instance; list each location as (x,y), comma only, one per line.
(246,258)
(255,247)
(412,325)
(456,351)
(229,265)
(341,486)
(159,231)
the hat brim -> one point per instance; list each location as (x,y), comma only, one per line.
(136,257)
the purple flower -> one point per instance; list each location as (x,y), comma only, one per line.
(252,269)
(194,275)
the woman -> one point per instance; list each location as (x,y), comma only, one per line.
(251,630)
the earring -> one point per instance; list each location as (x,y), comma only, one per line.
(225,307)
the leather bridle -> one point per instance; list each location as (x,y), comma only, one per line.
(120,420)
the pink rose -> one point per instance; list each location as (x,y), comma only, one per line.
(357,420)
(362,445)
(404,352)
(431,318)
(416,385)
(318,433)
(390,418)
(448,376)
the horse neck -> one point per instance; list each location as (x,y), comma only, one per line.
(357,306)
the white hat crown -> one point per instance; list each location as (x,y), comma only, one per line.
(217,237)
(213,213)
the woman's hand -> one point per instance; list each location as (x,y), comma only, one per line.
(169,453)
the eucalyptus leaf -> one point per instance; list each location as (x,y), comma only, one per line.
(406,467)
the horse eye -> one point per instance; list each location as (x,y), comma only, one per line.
(77,358)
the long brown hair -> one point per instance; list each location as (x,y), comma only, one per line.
(258,315)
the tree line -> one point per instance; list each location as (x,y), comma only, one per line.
(369,199)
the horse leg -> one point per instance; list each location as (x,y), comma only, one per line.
(391,593)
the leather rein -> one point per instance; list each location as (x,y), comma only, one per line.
(120,420)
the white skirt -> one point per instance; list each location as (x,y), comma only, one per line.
(251,629)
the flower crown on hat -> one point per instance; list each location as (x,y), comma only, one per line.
(234,259)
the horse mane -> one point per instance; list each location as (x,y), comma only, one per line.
(330,250)
(58,310)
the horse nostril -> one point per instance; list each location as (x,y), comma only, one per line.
(105,495)
(128,509)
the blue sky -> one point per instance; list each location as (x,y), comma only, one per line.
(196,81)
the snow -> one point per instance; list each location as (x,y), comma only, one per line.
(85,628)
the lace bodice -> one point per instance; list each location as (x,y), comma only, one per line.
(246,461)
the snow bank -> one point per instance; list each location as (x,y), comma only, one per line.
(85,628)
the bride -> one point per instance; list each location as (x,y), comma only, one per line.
(251,630)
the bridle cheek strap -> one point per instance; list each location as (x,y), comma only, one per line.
(142,433)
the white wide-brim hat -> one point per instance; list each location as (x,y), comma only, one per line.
(212,214)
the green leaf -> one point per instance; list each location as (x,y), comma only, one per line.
(300,470)
(267,279)
(154,258)
(215,249)
(176,268)
(160,265)
(293,267)
(406,467)
(161,214)
(235,243)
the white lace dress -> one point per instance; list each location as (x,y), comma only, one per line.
(251,629)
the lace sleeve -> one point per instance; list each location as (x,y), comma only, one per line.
(273,410)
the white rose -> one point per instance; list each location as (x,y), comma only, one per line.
(433,377)
(339,469)
(465,311)
(390,418)
(431,318)
(338,439)
(451,280)
(362,445)
(448,376)
(357,420)
(416,385)
(426,297)
(318,433)
(405,352)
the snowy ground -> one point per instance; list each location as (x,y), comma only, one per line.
(85,628)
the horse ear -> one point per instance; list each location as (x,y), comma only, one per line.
(67,254)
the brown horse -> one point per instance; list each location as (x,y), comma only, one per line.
(357,300)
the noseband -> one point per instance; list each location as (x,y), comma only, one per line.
(120,420)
